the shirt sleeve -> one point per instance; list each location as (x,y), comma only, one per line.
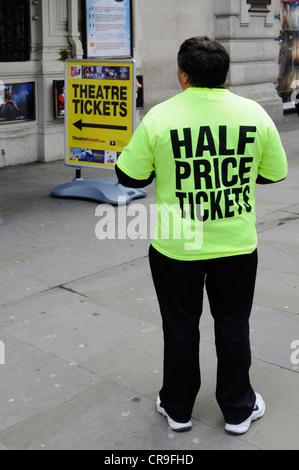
(137,159)
(273,165)
(128,182)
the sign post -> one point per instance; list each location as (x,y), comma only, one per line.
(100,111)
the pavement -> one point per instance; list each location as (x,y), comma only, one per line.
(80,329)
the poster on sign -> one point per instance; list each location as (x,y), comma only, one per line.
(109,28)
(100,111)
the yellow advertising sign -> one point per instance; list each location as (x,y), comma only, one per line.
(100,111)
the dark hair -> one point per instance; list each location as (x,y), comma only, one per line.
(205,61)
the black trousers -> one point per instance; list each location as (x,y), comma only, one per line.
(230,285)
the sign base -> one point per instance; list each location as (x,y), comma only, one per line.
(104,190)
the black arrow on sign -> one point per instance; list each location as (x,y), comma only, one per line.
(80,125)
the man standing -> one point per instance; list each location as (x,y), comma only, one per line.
(207,148)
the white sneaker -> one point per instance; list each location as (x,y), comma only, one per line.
(258,412)
(177,427)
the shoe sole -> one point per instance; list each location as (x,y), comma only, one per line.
(236,433)
(179,430)
(258,417)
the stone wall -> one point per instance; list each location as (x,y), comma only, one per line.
(250,39)
(54,26)
(160,29)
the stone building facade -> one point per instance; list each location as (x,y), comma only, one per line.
(56,27)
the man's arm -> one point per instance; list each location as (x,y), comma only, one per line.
(273,166)
(135,167)
(262,180)
(128,182)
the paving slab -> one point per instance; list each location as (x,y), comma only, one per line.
(90,424)
(139,428)
(79,331)
(270,198)
(272,334)
(277,289)
(128,289)
(35,305)
(277,218)
(3,447)
(278,430)
(32,381)
(15,287)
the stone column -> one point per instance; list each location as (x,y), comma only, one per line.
(249,37)
(58,30)
(73,29)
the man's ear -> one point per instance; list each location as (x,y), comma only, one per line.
(183,79)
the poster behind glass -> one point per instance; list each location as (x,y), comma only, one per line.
(59,99)
(108,28)
(17,102)
(288,80)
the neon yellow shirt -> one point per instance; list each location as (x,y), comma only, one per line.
(207,147)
